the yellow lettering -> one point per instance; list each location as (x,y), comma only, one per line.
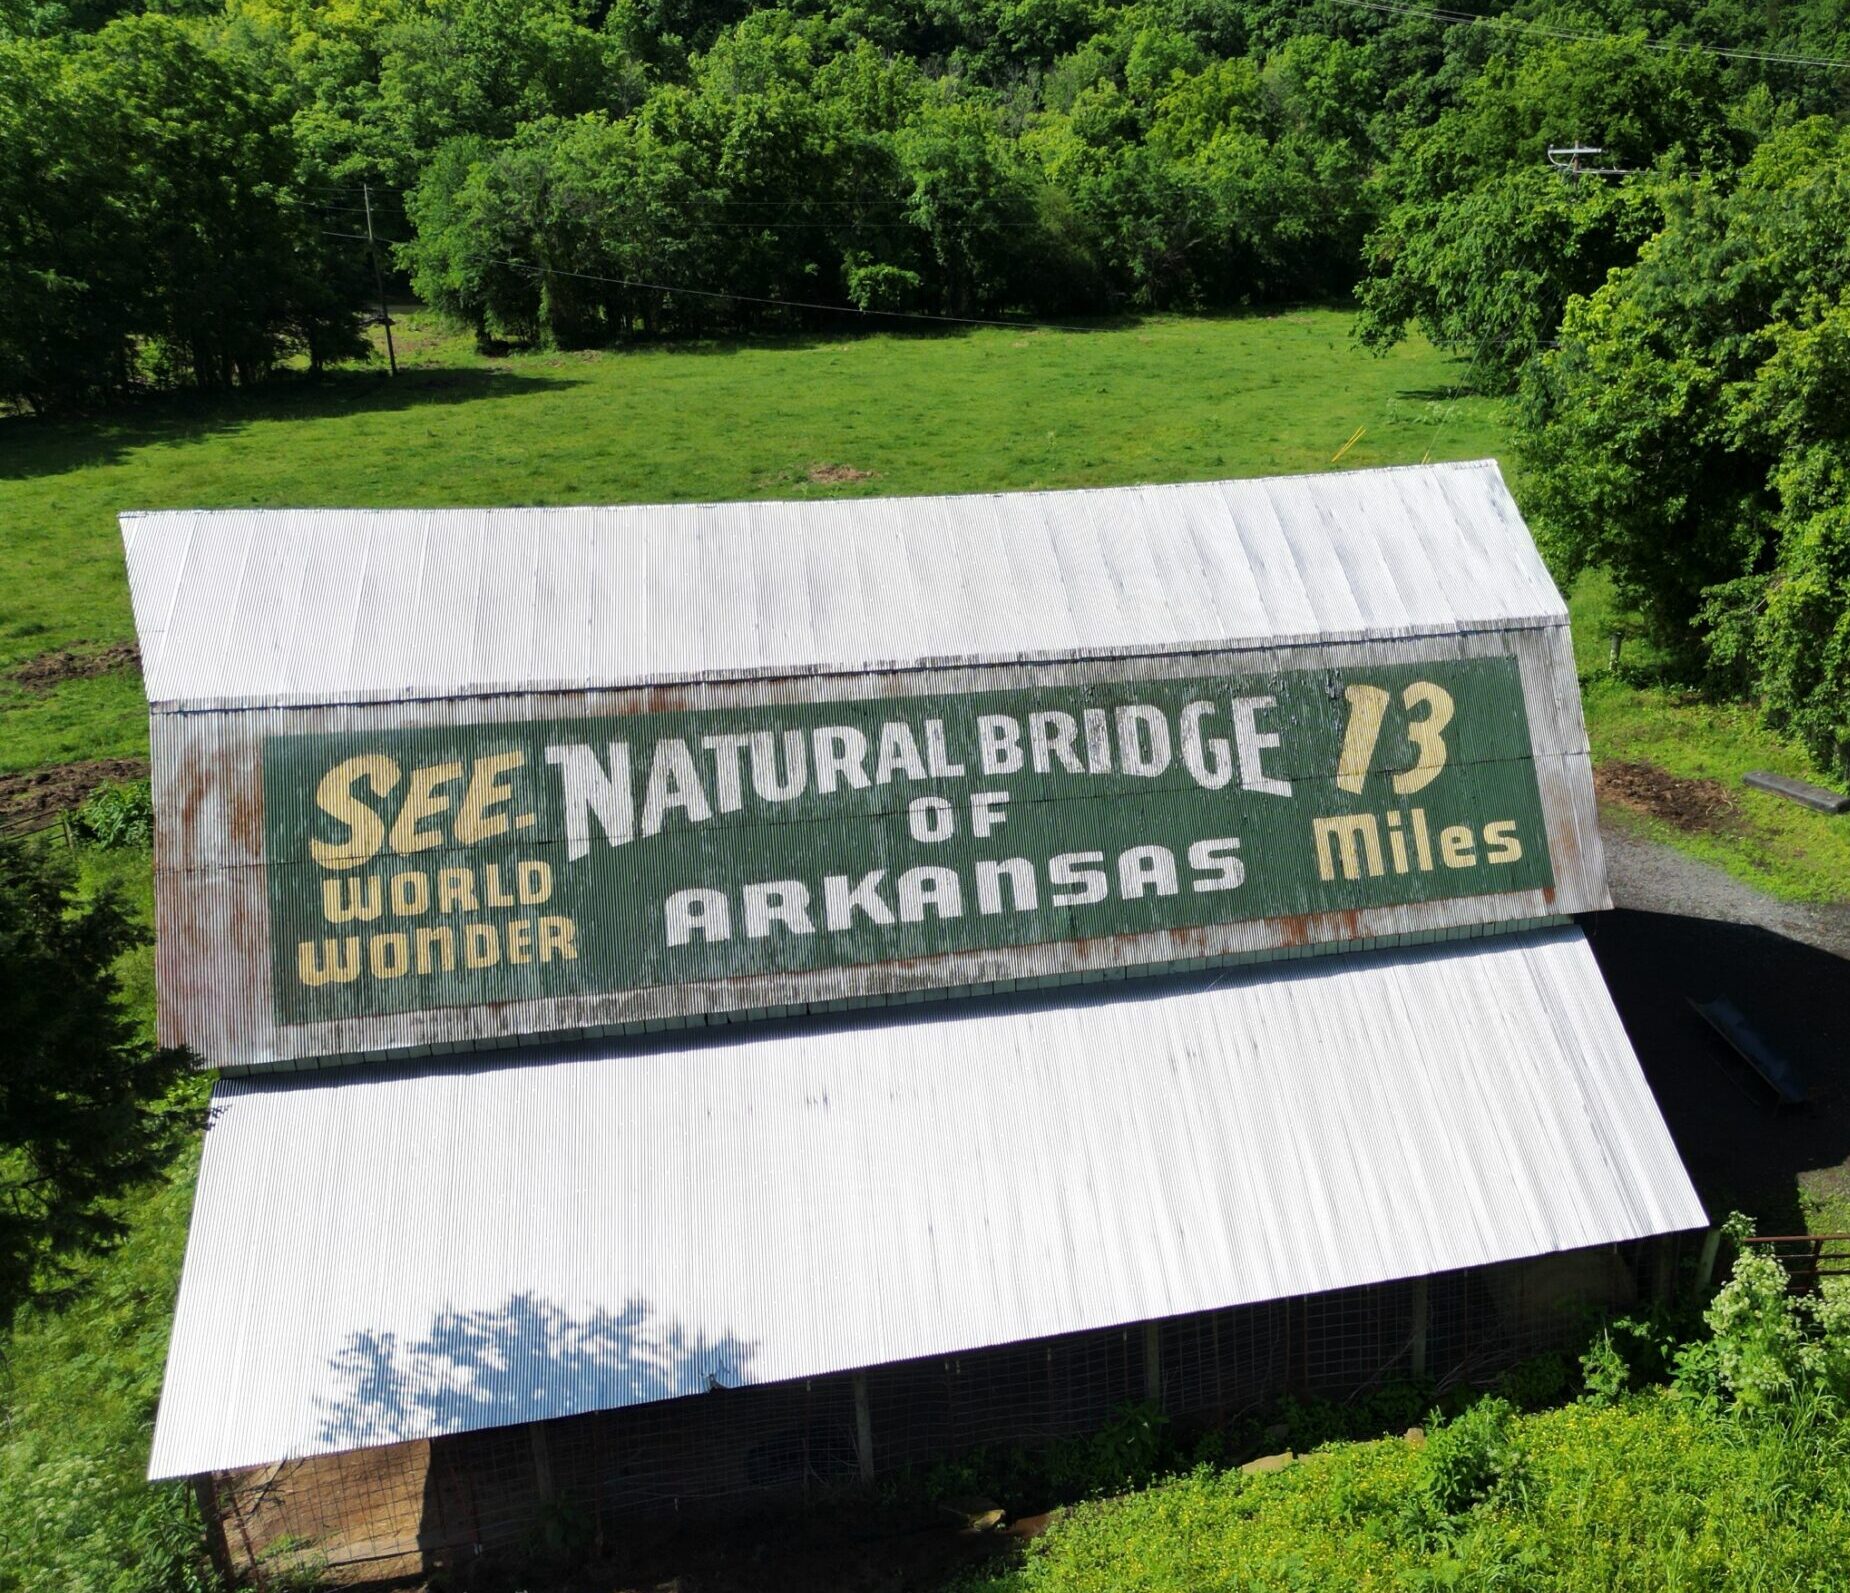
(421,802)
(534,882)
(362,900)
(365,829)
(487,790)
(1356,834)
(442,939)
(455,890)
(520,940)
(492,893)
(389,956)
(1427,734)
(1501,845)
(410,894)
(338,961)
(481,946)
(1458,846)
(1366,706)
(556,938)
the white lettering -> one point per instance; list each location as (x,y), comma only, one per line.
(840,753)
(1209,762)
(674,783)
(781,901)
(702,911)
(1252,741)
(587,788)
(844,901)
(936,888)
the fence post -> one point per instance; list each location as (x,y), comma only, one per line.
(1705,1263)
(863,1428)
(542,1459)
(216,1545)
(1422,1316)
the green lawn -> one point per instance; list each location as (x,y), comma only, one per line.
(1160,400)
(1165,400)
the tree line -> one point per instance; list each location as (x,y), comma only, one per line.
(182,199)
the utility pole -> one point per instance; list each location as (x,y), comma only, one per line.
(385,315)
(1566,160)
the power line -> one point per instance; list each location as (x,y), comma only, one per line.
(1519,25)
(750,298)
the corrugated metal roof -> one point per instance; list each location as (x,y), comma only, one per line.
(401,1254)
(342,605)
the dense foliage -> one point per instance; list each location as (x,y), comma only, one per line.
(1718,1463)
(81,1092)
(184,193)
(1692,431)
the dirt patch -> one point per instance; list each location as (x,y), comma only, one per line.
(34,799)
(838,475)
(66,663)
(1694,805)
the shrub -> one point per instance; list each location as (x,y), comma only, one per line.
(115,816)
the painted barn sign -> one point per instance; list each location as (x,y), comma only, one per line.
(449,866)
(429,780)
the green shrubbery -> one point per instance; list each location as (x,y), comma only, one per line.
(1720,1462)
(117,816)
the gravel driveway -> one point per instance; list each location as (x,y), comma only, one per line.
(1654,878)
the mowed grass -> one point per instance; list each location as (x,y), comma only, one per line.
(992,408)
(1168,399)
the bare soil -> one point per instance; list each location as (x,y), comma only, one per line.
(839,475)
(47,670)
(1698,806)
(34,799)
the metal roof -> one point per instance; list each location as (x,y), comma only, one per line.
(262,607)
(398,1254)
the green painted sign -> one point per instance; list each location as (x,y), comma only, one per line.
(459,865)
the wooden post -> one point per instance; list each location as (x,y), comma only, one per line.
(1422,1317)
(216,1546)
(1153,1363)
(863,1428)
(1663,1272)
(372,249)
(542,1459)
(1705,1263)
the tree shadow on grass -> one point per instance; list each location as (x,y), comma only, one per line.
(1438,395)
(32,446)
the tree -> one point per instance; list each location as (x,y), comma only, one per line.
(1689,435)
(81,1091)
(71,298)
(1484,244)
(148,233)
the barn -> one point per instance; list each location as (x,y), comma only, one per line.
(720,1002)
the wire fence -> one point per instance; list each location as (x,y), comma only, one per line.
(408,1509)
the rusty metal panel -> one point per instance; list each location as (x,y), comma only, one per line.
(380,847)
(389,1254)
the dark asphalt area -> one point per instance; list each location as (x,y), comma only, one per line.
(1681,930)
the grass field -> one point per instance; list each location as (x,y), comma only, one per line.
(992,408)
(1162,401)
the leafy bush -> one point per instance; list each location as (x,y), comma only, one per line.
(1733,1473)
(1125,1453)
(115,816)
(1472,1458)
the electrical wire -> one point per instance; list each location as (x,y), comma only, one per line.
(750,298)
